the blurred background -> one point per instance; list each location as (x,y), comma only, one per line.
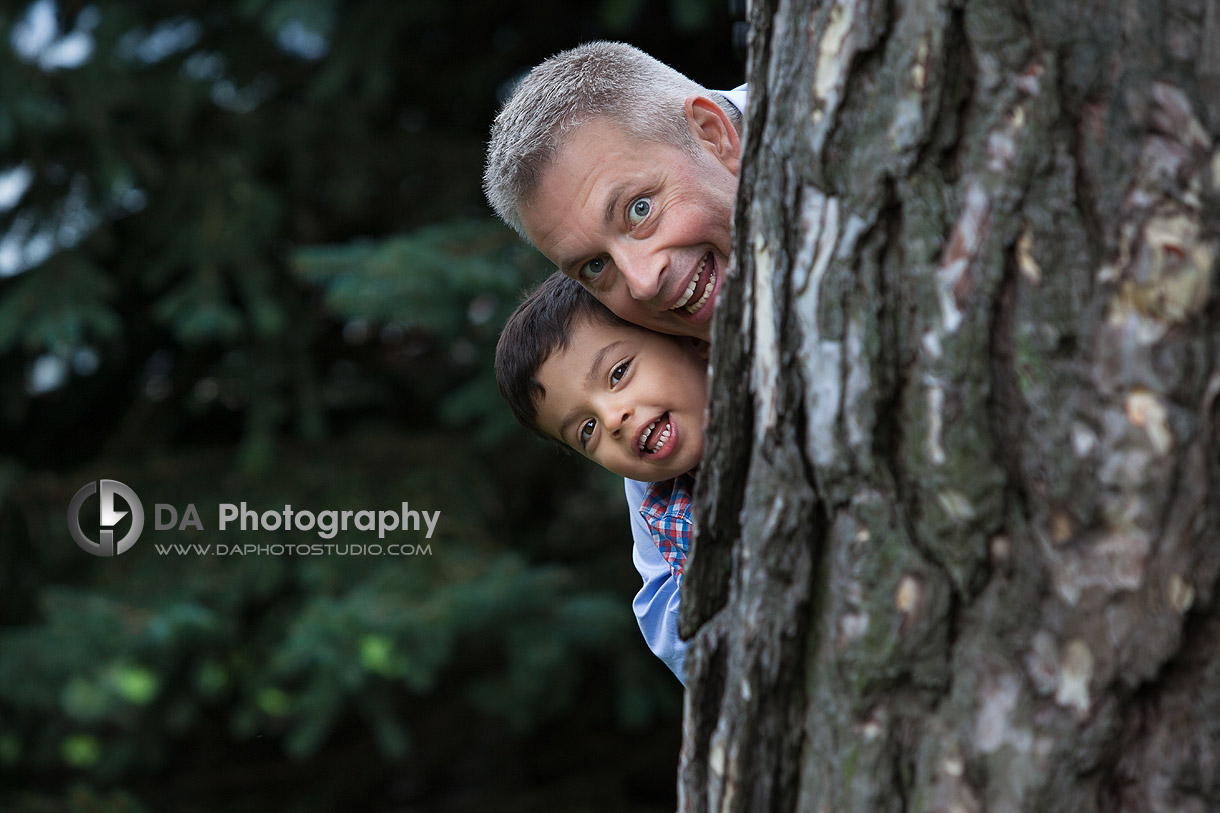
(244,256)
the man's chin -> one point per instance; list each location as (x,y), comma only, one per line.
(677,326)
(697,325)
(674,322)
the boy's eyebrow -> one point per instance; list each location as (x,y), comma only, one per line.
(599,360)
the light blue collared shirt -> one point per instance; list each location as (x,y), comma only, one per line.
(656,604)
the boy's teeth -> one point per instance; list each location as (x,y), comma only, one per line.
(648,432)
(661,439)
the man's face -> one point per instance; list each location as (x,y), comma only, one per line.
(646,227)
(630,400)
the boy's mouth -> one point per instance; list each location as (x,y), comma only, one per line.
(655,435)
(698,284)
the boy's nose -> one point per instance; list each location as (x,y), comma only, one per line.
(617,418)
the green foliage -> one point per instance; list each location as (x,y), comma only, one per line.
(443,278)
(454,283)
(64,306)
(247,241)
(109,672)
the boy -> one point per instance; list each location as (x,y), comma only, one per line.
(629,399)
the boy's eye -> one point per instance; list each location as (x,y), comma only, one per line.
(585,432)
(639,210)
(593,268)
(618,373)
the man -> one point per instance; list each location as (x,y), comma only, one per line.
(623,172)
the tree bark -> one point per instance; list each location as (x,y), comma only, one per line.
(961,497)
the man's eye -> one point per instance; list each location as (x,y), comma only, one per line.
(639,210)
(586,432)
(593,268)
(618,373)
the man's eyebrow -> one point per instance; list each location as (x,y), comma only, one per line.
(567,265)
(612,204)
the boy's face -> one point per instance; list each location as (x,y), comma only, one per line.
(646,227)
(628,399)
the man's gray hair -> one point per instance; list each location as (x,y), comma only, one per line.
(641,94)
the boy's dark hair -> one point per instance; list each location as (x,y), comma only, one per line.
(540,325)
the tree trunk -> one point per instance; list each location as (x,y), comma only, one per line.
(961,500)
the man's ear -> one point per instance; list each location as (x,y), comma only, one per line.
(713,131)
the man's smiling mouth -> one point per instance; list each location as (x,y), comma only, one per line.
(708,287)
(650,444)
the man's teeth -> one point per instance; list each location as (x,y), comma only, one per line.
(707,293)
(690,290)
(662,438)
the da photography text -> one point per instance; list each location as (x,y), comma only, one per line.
(326,523)
(106,518)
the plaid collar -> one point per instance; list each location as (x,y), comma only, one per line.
(667,512)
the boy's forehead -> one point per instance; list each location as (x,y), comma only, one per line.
(567,372)
(589,339)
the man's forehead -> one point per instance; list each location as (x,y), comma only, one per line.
(599,144)
(578,195)
(565,213)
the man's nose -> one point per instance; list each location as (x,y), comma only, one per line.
(643,270)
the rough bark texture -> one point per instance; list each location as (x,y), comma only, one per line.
(961,502)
